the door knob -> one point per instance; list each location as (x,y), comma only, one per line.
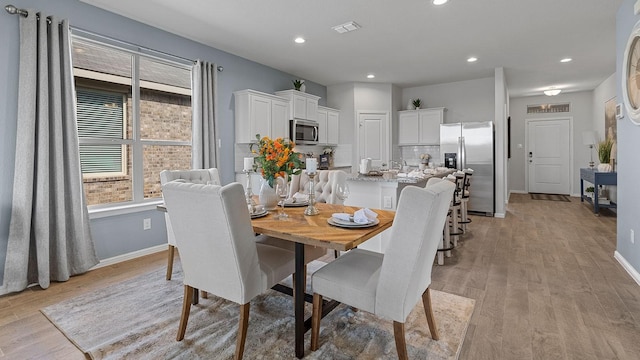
(530,154)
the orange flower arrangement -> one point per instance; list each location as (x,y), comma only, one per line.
(276,158)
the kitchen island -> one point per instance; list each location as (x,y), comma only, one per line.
(378,192)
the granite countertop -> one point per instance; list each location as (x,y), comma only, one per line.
(401,180)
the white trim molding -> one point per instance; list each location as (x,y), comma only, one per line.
(130,256)
(625,264)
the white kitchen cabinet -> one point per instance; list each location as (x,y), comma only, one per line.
(420,127)
(301,105)
(260,113)
(328,124)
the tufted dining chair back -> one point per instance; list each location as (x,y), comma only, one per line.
(325,183)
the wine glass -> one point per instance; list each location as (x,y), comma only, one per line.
(342,192)
(282,192)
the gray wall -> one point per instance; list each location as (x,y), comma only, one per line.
(466,101)
(601,94)
(628,150)
(238,74)
(582,113)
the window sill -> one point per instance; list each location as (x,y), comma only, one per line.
(115,210)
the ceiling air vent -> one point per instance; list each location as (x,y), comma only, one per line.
(346,27)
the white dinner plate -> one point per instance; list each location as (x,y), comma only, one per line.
(259,214)
(298,203)
(349,224)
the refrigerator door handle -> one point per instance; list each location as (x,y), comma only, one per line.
(463,154)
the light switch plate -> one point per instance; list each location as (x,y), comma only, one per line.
(387,202)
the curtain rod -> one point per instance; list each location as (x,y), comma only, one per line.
(14,10)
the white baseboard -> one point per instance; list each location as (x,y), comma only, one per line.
(115,260)
(130,256)
(499,215)
(625,264)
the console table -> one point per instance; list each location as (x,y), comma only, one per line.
(597,178)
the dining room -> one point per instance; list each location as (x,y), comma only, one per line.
(83,245)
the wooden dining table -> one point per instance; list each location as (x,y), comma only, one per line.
(315,230)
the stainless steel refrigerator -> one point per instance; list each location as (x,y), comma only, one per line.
(470,145)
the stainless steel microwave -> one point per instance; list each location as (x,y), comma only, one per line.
(304,132)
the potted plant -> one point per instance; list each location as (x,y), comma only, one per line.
(589,191)
(298,84)
(417,103)
(604,154)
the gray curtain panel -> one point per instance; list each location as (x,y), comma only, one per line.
(205,85)
(49,236)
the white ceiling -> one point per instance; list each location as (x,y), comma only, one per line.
(403,42)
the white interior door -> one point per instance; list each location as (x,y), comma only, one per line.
(373,135)
(549,156)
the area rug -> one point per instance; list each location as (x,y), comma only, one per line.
(551,197)
(138,319)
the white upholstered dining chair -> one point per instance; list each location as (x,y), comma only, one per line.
(325,183)
(217,249)
(195,176)
(389,285)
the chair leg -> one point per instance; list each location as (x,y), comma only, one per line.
(316,316)
(242,331)
(428,309)
(186,307)
(170,261)
(401,345)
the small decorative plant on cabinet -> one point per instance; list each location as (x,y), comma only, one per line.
(298,85)
(417,103)
(604,155)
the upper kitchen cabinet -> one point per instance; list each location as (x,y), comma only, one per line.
(420,127)
(260,113)
(301,105)
(328,124)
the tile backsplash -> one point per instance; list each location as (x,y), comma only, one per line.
(411,154)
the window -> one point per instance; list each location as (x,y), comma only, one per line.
(134,120)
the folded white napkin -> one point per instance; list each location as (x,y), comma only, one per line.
(300,197)
(342,216)
(364,216)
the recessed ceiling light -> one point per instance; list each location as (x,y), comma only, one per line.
(439,2)
(566,60)
(370,76)
(472,59)
(299,40)
(552,92)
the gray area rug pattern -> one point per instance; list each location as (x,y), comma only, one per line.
(138,319)
(551,197)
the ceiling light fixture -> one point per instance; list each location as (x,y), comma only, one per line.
(566,60)
(439,2)
(472,59)
(552,92)
(346,27)
(370,76)
(299,40)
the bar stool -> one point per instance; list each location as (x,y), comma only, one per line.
(466,192)
(456,207)
(445,246)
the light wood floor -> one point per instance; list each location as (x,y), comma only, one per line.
(544,279)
